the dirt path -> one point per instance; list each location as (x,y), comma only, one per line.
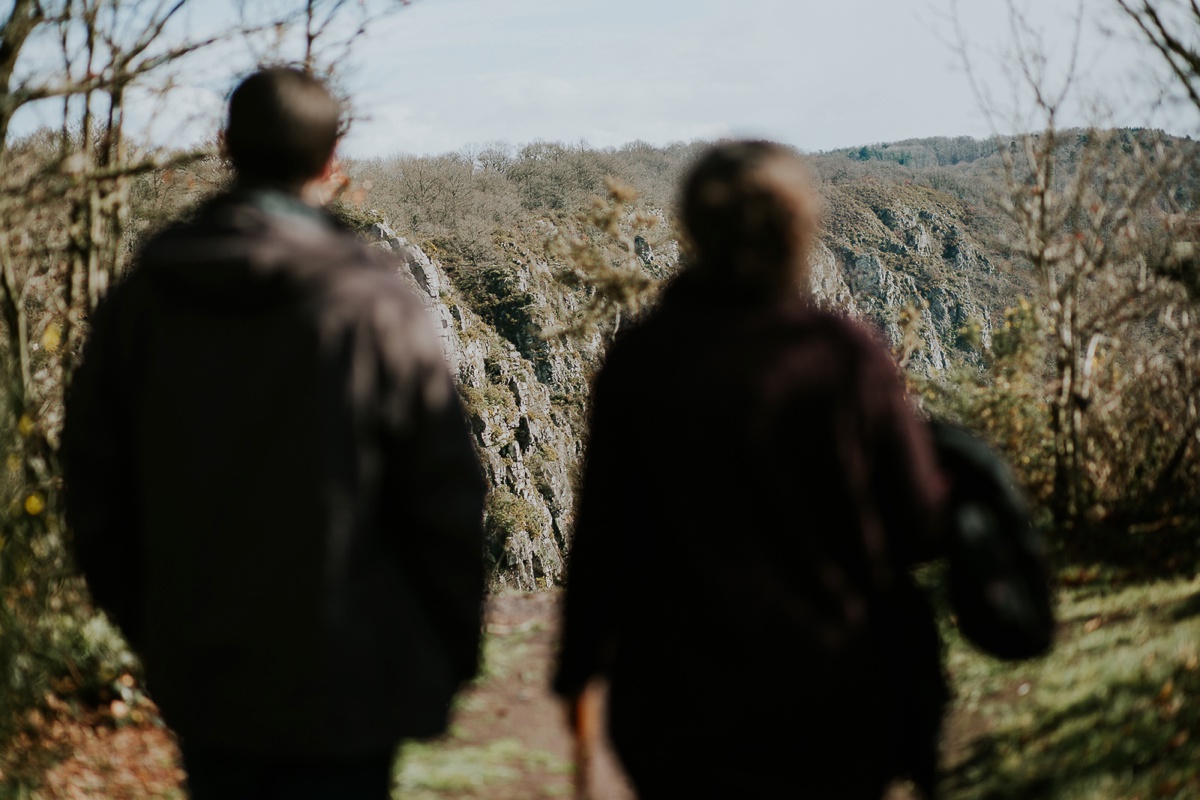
(513,705)
(509,738)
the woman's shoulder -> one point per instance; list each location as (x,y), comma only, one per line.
(836,326)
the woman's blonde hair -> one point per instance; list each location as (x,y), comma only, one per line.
(752,215)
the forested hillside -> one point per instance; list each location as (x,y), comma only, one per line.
(545,250)
(1042,290)
(532,258)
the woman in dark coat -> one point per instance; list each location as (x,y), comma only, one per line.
(755,492)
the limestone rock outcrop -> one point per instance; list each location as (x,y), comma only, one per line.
(900,257)
(891,253)
(527,446)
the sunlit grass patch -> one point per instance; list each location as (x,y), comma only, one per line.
(468,762)
(506,651)
(1112,712)
(440,770)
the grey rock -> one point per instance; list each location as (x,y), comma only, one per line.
(526,397)
(527,448)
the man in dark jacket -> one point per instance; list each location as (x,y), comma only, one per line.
(270,480)
(755,491)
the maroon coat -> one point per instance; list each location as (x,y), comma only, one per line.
(755,491)
(272,487)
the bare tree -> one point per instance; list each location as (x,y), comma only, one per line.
(1094,213)
(63,210)
(1170,27)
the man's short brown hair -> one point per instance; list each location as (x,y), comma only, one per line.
(283,126)
(752,215)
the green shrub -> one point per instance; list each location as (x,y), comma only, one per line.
(1006,401)
(506,514)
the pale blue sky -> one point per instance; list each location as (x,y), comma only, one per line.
(819,74)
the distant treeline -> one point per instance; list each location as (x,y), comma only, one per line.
(937,151)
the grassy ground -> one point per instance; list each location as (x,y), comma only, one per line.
(1113,713)
(509,738)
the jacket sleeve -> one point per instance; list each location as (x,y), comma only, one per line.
(438,490)
(594,579)
(905,480)
(97,459)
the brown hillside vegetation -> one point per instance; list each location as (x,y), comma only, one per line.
(535,240)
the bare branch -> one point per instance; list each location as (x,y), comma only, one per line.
(1172,49)
(25,17)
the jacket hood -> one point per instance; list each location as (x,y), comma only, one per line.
(239,252)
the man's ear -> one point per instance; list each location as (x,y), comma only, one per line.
(330,167)
(326,185)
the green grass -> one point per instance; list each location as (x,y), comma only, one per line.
(437,771)
(461,765)
(1112,712)
(508,654)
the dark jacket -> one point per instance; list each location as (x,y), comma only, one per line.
(272,488)
(755,490)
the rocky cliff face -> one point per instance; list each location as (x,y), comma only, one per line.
(528,444)
(885,250)
(889,248)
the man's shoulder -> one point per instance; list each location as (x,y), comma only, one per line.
(254,220)
(369,278)
(366,293)
(842,328)
(241,238)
